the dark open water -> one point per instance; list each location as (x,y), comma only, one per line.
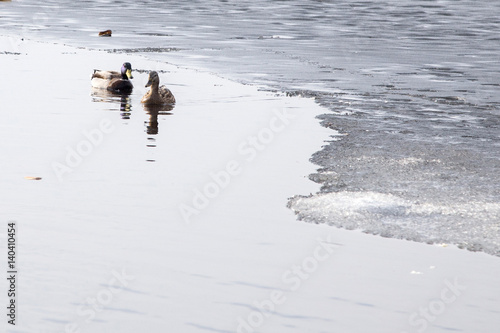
(414,86)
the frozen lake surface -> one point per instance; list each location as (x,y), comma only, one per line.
(413,85)
(146,220)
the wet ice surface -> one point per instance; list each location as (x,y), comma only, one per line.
(414,175)
(121,210)
(114,176)
(413,85)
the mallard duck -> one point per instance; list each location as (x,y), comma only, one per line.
(114,81)
(157,95)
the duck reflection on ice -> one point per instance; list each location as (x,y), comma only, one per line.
(154,111)
(101,95)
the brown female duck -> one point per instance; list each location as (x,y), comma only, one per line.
(157,95)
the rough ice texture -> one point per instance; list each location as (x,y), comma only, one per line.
(409,187)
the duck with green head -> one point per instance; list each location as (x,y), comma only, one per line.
(116,82)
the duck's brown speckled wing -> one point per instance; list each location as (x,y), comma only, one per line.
(166,95)
(106,75)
